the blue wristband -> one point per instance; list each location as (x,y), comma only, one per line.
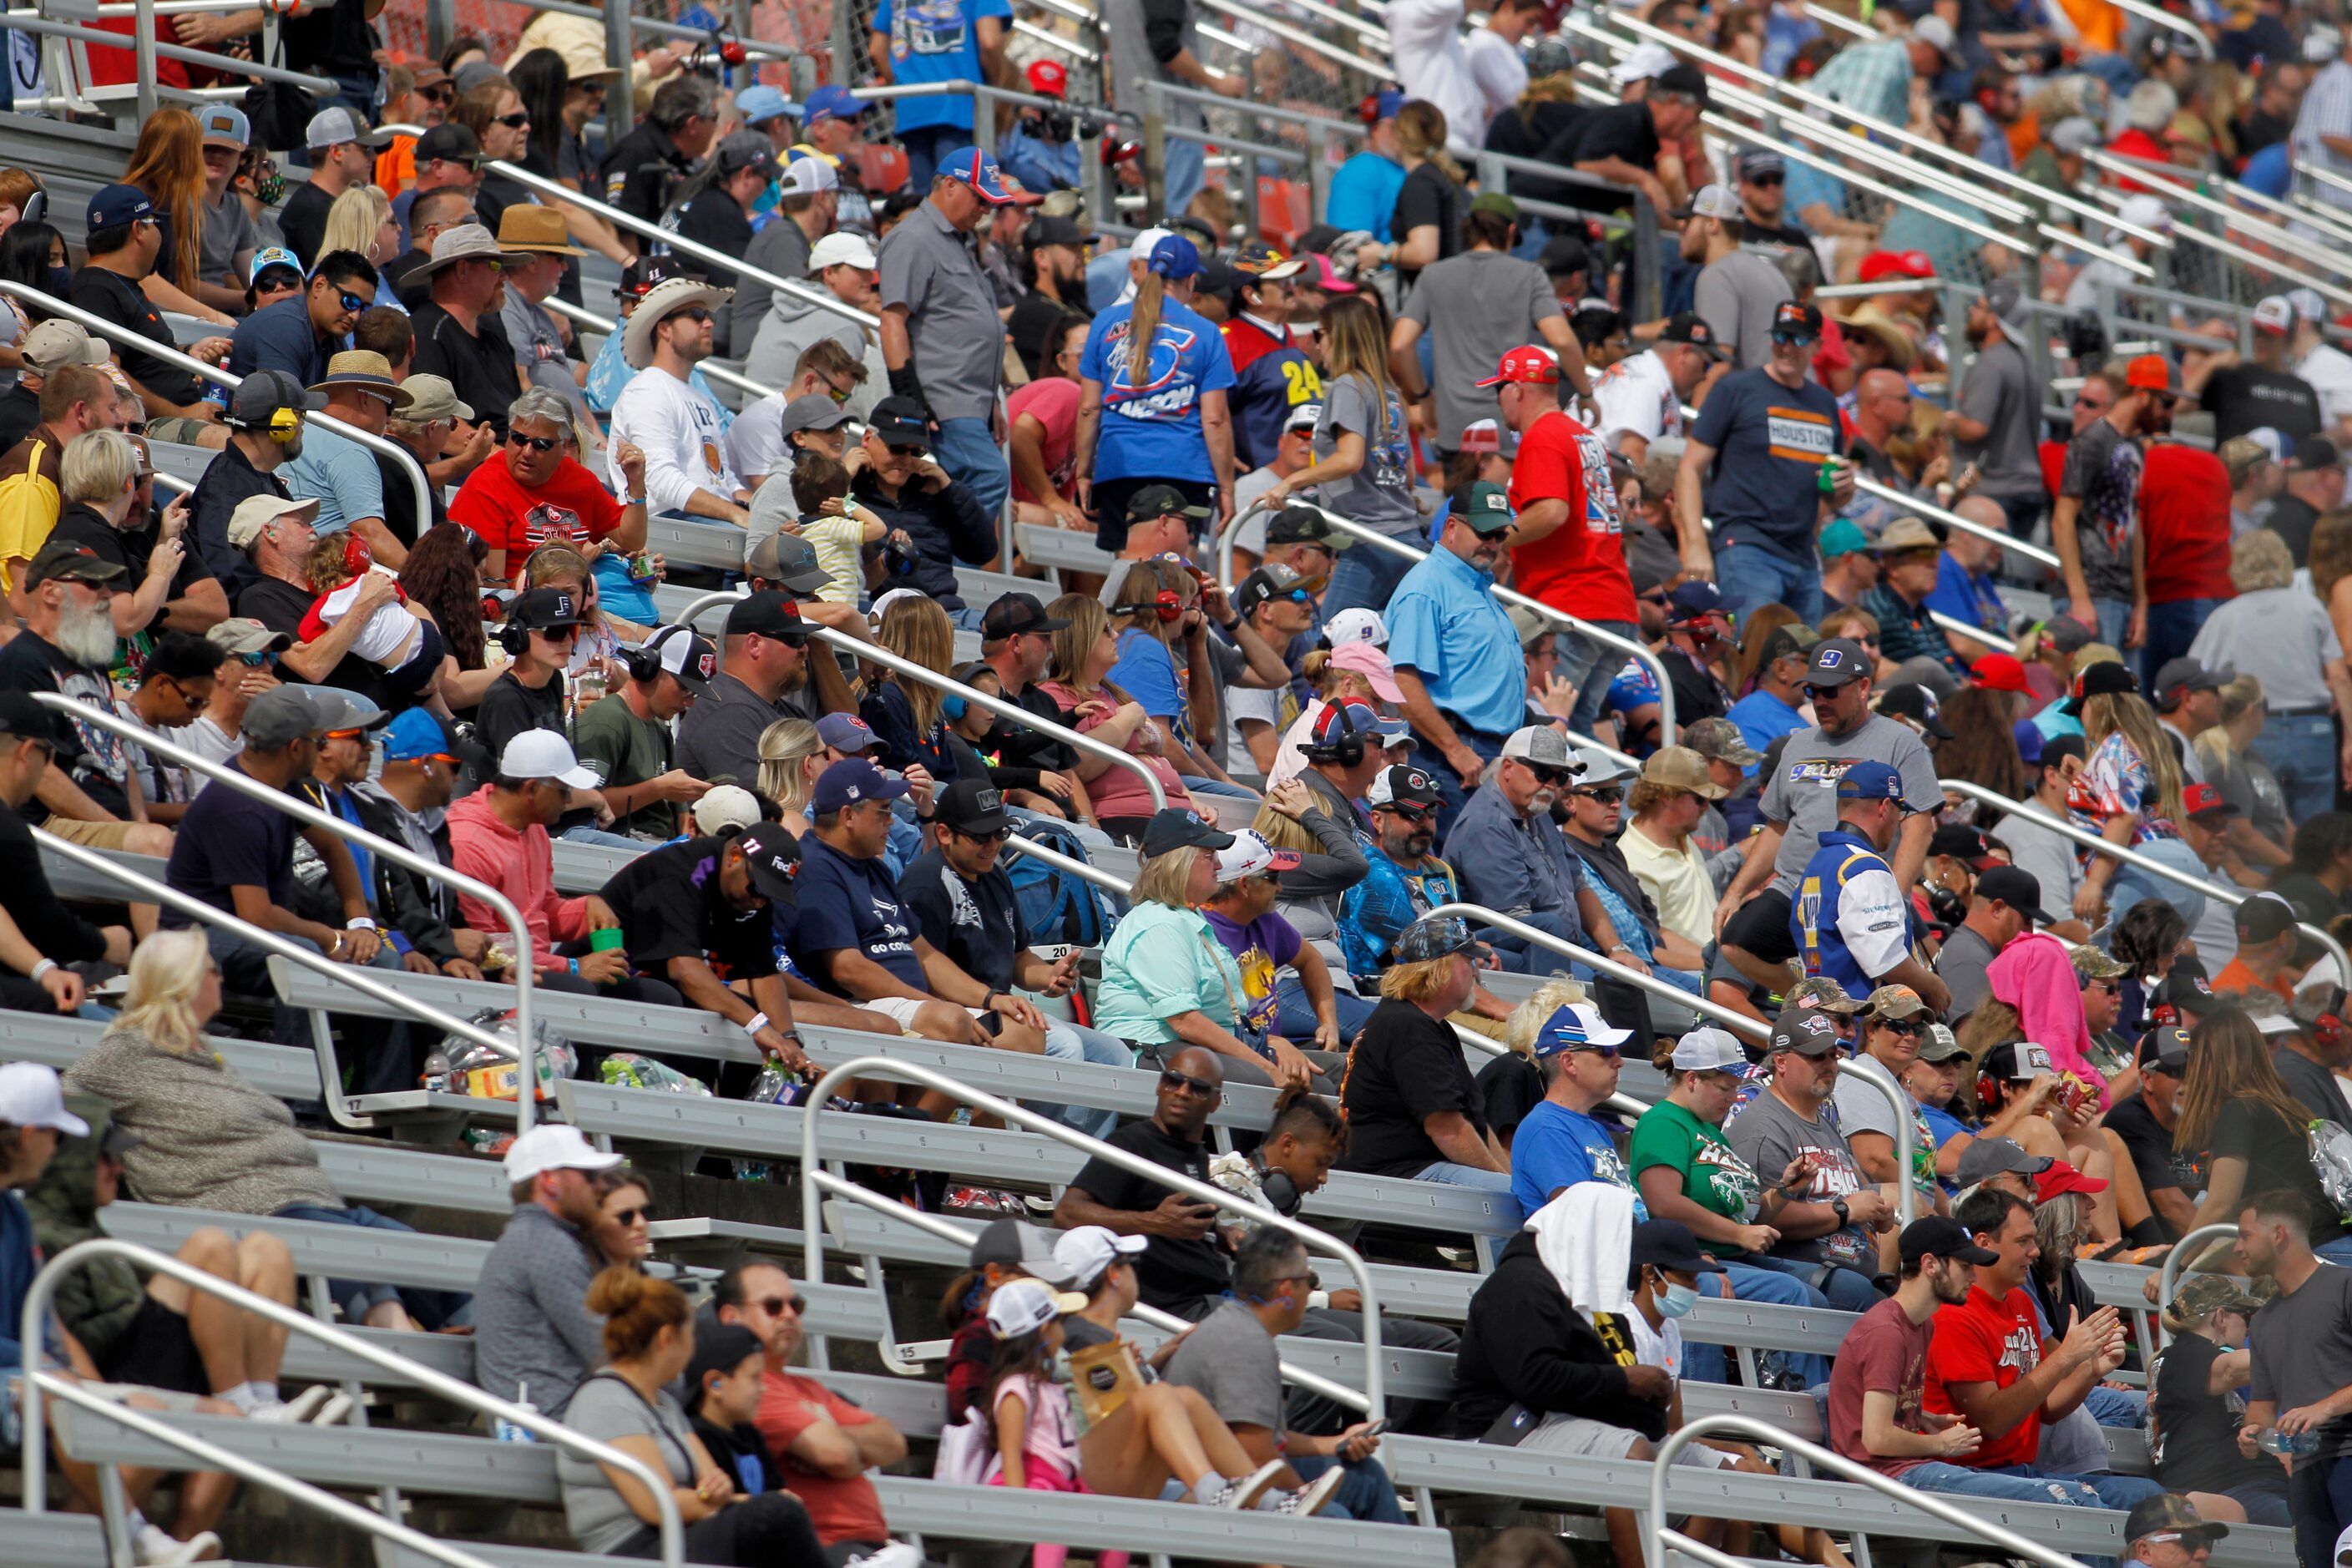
(574,964)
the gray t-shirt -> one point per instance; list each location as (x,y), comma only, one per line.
(2034,846)
(1230,1358)
(1768,1135)
(1737,296)
(2281,637)
(2312,1084)
(539,351)
(2303,1350)
(225,234)
(2247,783)
(1999,391)
(1961,967)
(1801,795)
(1380,494)
(606,1408)
(958,338)
(782,250)
(1476,307)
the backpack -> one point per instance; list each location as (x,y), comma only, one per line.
(1058,909)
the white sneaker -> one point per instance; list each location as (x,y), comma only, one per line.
(154,1548)
(1308,1500)
(334,1411)
(299,1408)
(896,1554)
(1248,1488)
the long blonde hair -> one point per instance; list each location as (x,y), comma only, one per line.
(918,631)
(2214,747)
(355,220)
(1139,593)
(165,975)
(2114,712)
(1420,133)
(1141,325)
(784,745)
(1073,643)
(1356,342)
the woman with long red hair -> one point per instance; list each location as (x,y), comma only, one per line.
(168,164)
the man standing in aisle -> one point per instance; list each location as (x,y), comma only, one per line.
(1848,919)
(2094,529)
(1456,652)
(1998,416)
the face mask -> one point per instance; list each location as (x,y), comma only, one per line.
(58,281)
(1676,1301)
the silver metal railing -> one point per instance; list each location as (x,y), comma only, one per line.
(2138,861)
(1061,862)
(148,49)
(709,367)
(172,356)
(1660,1537)
(400,855)
(2231,250)
(2169,179)
(815,1181)
(2190,1246)
(440,1384)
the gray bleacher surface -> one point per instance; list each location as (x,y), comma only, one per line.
(52,1540)
(178,460)
(1060,548)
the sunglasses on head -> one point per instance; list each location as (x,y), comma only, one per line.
(536,443)
(1171,1079)
(1609,794)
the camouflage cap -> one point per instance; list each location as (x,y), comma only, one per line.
(1821,991)
(2092,964)
(1895,1001)
(2203,1294)
(1720,739)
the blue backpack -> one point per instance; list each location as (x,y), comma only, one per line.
(1056,908)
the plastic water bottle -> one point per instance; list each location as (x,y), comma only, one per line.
(2273,1441)
(506,1431)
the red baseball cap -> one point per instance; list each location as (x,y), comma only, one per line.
(2152,372)
(1880,265)
(1527,364)
(1999,673)
(2062,1177)
(2198,799)
(1048,80)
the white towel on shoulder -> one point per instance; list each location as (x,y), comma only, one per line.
(1585,1238)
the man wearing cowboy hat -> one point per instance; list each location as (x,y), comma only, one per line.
(338,472)
(459,336)
(677,426)
(536,237)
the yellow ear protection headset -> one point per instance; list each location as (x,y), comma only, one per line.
(284,424)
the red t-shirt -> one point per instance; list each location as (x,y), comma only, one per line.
(1883,1352)
(2137,143)
(572,507)
(2184,513)
(1580,566)
(839,1509)
(1053,400)
(1985,1341)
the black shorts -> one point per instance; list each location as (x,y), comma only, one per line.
(1110,498)
(1761,926)
(157,1352)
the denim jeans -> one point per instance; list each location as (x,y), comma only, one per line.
(970,456)
(1367,1494)
(2301,749)
(1845,1289)
(2131,884)
(2023,1483)
(2262,1506)
(432,1310)
(1293,1017)
(1589,663)
(1186,167)
(1746,1282)
(597,836)
(1076,1042)
(2115,620)
(1756,576)
(1451,795)
(1363,578)
(1453,1175)
(2319,1496)
(925,146)
(2171,627)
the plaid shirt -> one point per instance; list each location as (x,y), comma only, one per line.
(1871,78)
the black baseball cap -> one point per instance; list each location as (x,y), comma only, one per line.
(1161,501)
(774,857)
(1172,829)
(899,422)
(1668,1245)
(1940,1236)
(767,615)
(2105,678)
(450,143)
(1051,228)
(2265,917)
(537,610)
(2166,1049)
(1402,784)
(1795,319)
(1014,613)
(1685,79)
(974,806)
(1912,700)
(1690,327)
(2188,991)
(2020,889)
(1304,525)
(1958,841)
(1836,660)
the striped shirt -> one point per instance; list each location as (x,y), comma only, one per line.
(2326,111)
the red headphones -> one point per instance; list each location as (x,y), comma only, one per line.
(1167,604)
(2327,1029)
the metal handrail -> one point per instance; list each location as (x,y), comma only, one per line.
(33,22)
(812,1213)
(645,24)
(678,242)
(2133,857)
(1302,38)
(440,1384)
(949,1231)
(1867,1069)
(172,356)
(2168,177)
(431,870)
(861,648)
(2170,1273)
(2239,253)
(1953,624)
(1661,1535)
(2163,19)
(1322,122)
(1706,1007)
(709,367)
(1667,728)
(1061,862)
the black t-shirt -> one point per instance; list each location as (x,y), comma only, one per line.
(303,221)
(714,218)
(281,606)
(2277,1154)
(1030,327)
(331,40)
(228,480)
(228,840)
(2292,518)
(2153,1156)
(2243,397)
(1168,1274)
(20,410)
(117,302)
(412,285)
(1408,1065)
(2198,1450)
(1027,748)
(1511,1086)
(1620,131)
(1785,232)
(2310,896)
(400,500)
(2313,1085)
(479,364)
(91,757)
(670,906)
(509,708)
(24,893)
(1428,198)
(976,924)
(79,524)
(1698,694)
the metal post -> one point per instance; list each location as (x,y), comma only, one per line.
(1645,267)
(621,104)
(1155,160)
(2187,1247)
(440,26)
(1869,1070)
(144,26)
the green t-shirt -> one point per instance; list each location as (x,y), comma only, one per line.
(1714,1177)
(626,750)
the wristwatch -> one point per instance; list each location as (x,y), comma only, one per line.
(1846,1215)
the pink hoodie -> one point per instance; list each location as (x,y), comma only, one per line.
(519,865)
(2036,976)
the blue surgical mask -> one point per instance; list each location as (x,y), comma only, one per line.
(59,282)
(1676,1301)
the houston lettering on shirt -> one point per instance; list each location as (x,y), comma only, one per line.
(1800,435)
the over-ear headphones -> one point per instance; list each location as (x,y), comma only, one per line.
(1167,604)
(1279,1191)
(643,661)
(1347,751)
(285,424)
(515,640)
(2327,1029)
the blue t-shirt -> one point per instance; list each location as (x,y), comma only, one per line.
(1769,444)
(279,337)
(1363,194)
(227,840)
(1147,672)
(936,40)
(1556,1147)
(1154,431)
(1942,1125)
(1971,599)
(847,904)
(1763,718)
(339,475)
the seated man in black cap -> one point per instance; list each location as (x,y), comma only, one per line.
(903,483)
(766,671)
(626,736)
(1017,641)
(41,934)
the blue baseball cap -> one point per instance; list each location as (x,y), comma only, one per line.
(830,102)
(115,206)
(272,256)
(978,169)
(1577,1027)
(413,736)
(1870,780)
(223,125)
(847,732)
(851,781)
(1343,721)
(1176,257)
(1695,599)
(760,103)
(1384,105)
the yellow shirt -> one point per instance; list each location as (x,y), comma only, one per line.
(1677,882)
(836,541)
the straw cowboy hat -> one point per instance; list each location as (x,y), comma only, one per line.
(665,301)
(526,226)
(1870,320)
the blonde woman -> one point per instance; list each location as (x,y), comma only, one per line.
(2261,833)
(2296,644)
(791,757)
(1352,672)
(1428,220)
(360,220)
(1363,460)
(1080,683)
(2130,793)
(100,475)
(907,715)
(1137,427)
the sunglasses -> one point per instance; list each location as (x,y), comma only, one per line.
(692,313)
(998,837)
(837,394)
(435,94)
(1901,1026)
(1612,795)
(350,301)
(557,634)
(1554,776)
(898,451)
(1606,1053)
(258,660)
(514,121)
(1297,596)
(536,443)
(1171,1079)
(774,1305)
(1410,813)
(1817,692)
(1769,179)
(2112,987)
(631,1216)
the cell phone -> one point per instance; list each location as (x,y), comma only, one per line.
(1378,1428)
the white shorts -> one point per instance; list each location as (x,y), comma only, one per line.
(900,1010)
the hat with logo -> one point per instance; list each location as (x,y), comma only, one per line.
(1804,1031)
(1024,1306)
(847,734)
(1719,202)
(1667,1246)
(1529,362)
(768,614)
(1881,265)
(1403,785)
(1304,525)
(744,150)
(243,635)
(787,559)
(1577,1027)
(830,102)
(1484,509)
(1820,992)
(2108,677)
(1710,1049)
(1255,259)
(63,561)
(2187,991)
(1270,582)
(54,344)
(1303,419)
(270,256)
(1870,780)
(2202,1295)
(2265,917)
(686,653)
(553,1146)
(1341,722)
(774,857)
(1541,745)
(223,125)
(1249,855)
(2018,1062)
(1720,739)
(1162,501)
(1171,829)
(545,754)
(1914,701)
(31,1096)
(1693,330)
(114,206)
(1356,625)
(2019,889)
(1434,937)
(977,167)
(1895,1001)
(263,395)
(1013,614)
(1696,601)
(973,807)
(2181,675)
(1989,1157)
(2170,1511)
(1940,1045)
(284,714)
(2275,314)
(1940,1235)
(2202,801)
(1794,640)
(1793,321)
(1089,1249)
(853,781)
(541,609)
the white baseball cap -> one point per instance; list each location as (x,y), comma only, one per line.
(1642,62)
(1086,1251)
(1248,855)
(1356,626)
(1146,242)
(1715,202)
(2309,305)
(2275,314)
(2032,1061)
(806,176)
(552,1146)
(30,1097)
(844,247)
(725,805)
(1710,1050)
(545,754)
(1024,1306)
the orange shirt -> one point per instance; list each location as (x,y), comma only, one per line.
(395,167)
(2236,976)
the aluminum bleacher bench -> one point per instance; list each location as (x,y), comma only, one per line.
(52,1540)
(71,879)
(1060,548)
(981,589)
(696,542)
(60,1042)
(584,868)
(180,461)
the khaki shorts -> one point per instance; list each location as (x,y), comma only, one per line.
(1558,1433)
(179,429)
(90,835)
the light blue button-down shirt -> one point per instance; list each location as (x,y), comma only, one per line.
(1446,625)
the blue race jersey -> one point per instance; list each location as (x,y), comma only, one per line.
(935,40)
(1154,431)
(1271,377)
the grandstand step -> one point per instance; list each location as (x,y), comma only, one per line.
(1060,548)
(50,1539)
(285,1071)
(695,541)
